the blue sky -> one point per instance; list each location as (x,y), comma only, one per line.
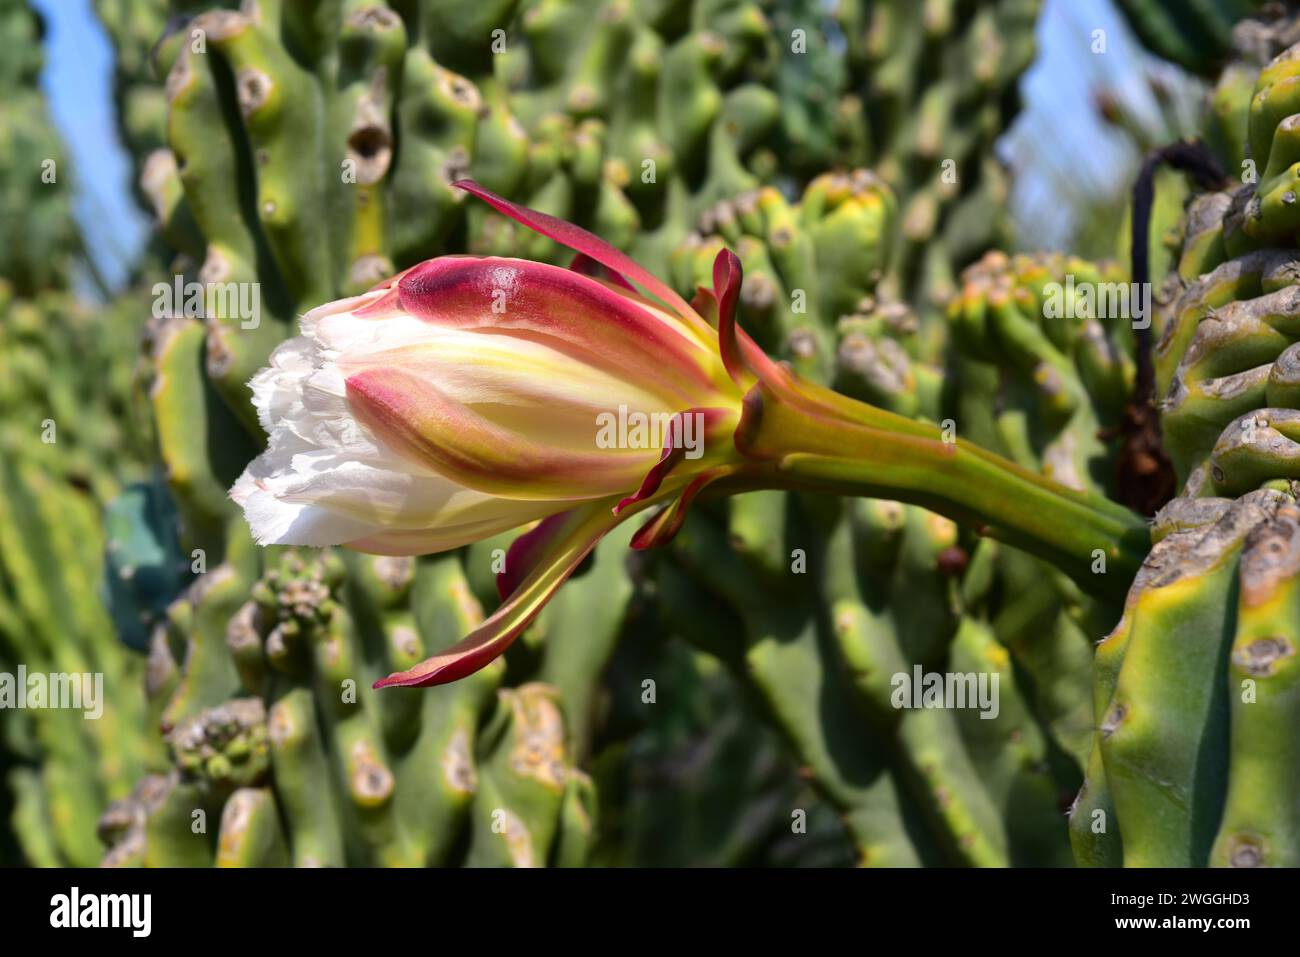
(78,80)
(1059,146)
(1057,92)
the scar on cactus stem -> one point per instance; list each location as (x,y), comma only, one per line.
(1145,474)
(464,396)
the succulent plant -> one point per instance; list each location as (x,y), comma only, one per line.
(1197,35)
(841,157)
(1213,594)
(564,119)
(65,447)
(923,592)
(732,695)
(70,437)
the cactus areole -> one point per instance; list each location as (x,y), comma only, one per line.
(470,395)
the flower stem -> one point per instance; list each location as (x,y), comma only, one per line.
(807,437)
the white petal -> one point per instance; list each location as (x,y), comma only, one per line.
(302,393)
(318,497)
(327,479)
(274,521)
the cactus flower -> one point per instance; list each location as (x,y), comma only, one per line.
(470,395)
